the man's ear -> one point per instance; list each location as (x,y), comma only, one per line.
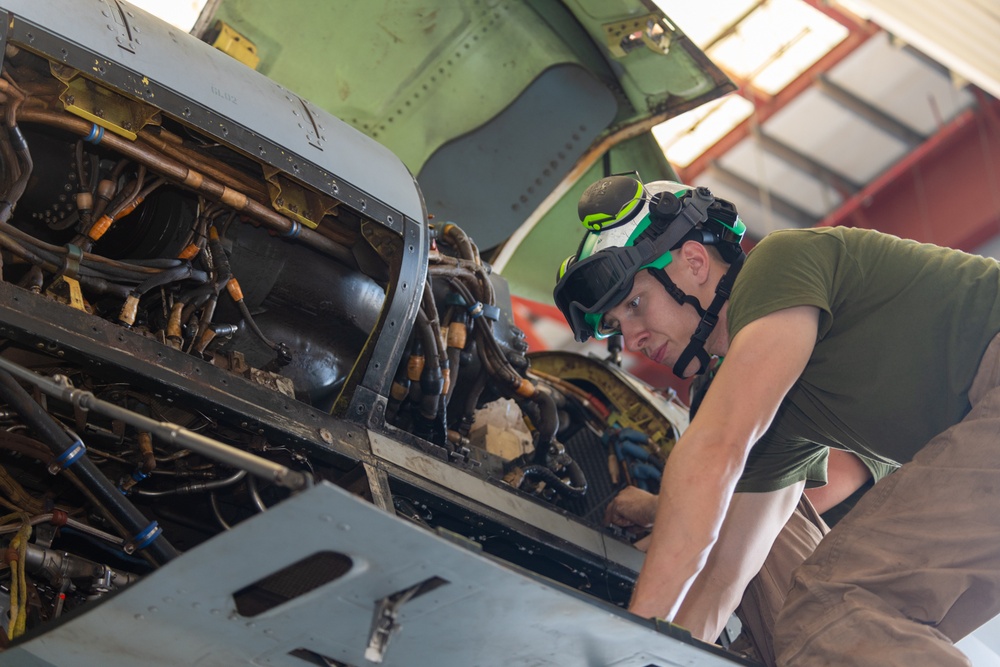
(696,259)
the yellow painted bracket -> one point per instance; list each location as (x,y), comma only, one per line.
(102,106)
(73,293)
(235,45)
(297,201)
(628,407)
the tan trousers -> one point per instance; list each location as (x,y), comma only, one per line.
(915,565)
(765,594)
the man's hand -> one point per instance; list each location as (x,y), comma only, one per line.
(631,508)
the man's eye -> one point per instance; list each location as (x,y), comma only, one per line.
(634,303)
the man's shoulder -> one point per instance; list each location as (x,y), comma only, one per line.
(786,252)
(785,238)
(789,268)
(842,236)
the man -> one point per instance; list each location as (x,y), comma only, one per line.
(835,337)
(756,603)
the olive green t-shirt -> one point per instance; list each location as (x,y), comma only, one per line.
(902,328)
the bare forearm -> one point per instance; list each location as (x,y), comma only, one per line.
(707,607)
(763,361)
(744,545)
(687,529)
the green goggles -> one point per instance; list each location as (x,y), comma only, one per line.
(591,286)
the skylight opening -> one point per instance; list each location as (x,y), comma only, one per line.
(763,44)
(775,43)
(687,136)
(705,21)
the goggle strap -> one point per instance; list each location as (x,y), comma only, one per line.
(693,213)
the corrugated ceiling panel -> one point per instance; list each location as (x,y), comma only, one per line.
(961,34)
(842,141)
(749,161)
(901,84)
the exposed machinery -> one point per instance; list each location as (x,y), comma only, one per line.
(220,304)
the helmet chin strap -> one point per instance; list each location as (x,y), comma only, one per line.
(709,318)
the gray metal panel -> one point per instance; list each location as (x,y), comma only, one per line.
(961,34)
(396,322)
(834,142)
(250,107)
(562,526)
(487,613)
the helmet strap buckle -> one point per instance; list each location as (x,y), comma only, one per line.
(695,349)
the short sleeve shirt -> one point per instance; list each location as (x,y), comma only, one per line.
(902,328)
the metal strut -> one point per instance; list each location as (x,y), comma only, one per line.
(60,387)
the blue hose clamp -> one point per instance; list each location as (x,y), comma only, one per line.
(294,230)
(96,135)
(71,455)
(143,538)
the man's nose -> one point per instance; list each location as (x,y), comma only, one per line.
(633,336)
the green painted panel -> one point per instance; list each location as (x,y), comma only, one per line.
(417,75)
(652,80)
(531,271)
(411,75)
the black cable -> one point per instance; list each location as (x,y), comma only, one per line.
(60,442)
(576,488)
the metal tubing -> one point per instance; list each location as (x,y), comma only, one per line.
(177,436)
(180,173)
(61,442)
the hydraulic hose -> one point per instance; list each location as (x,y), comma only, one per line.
(549,414)
(431,378)
(167,276)
(576,488)
(62,445)
(176,171)
(196,487)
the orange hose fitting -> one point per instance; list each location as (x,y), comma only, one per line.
(189,252)
(526,388)
(415,367)
(98,229)
(457,332)
(130,310)
(84,201)
(233,287)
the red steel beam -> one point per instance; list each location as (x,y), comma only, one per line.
(840,15)
(767,106)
